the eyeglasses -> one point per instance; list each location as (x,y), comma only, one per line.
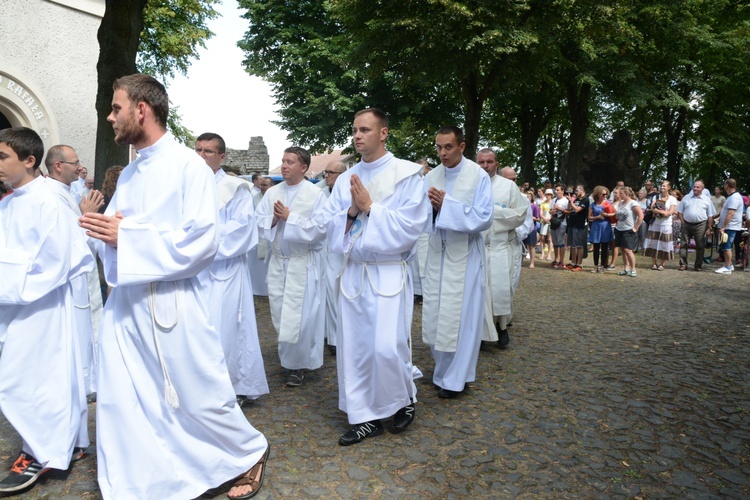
(76,163)
(331,172)
(204,150)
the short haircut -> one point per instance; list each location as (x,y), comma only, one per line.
(731,183)
(561,185)
(486,151)
(255,177)
(377,112)
(210,136)
(452,129)
(145,88)
(302,154)
(55,154)
(24,142)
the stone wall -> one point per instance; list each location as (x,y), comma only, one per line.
(253,160)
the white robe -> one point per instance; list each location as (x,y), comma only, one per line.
(296,285)
(229,289)
(455,275)
(88,298)
(257,261)
(146,448)
(503,253)
(41,382)
(334,263)
(375,301)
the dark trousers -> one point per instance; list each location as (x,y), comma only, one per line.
(697,231)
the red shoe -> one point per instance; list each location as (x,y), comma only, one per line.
(554,263)
(577,269)
(568,266)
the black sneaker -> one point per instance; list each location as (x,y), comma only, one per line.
(403,418)
(504,339)
(24,473)
(243,400)
(448,394)
(361,431)
(295,378)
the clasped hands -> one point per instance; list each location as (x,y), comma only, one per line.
(102,227)
(436,197)
(280,211)
(361,201)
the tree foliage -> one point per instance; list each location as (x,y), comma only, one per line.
(539,79)
(157,37)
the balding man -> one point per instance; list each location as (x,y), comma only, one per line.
(334,262)
(64,167)
(503,250)
(696,212)
(453,288)
(227,282)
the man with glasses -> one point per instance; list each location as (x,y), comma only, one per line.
(63,167)
(334,261)
(227,281)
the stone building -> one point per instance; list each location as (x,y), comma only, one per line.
(48,70)
(253,160)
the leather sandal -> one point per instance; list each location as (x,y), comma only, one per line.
(252,478)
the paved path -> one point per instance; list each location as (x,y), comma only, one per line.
(614,387)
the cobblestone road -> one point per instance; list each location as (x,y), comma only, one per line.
(614,387)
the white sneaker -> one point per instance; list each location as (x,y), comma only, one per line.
(725,270)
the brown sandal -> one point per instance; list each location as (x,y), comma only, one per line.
(253,477)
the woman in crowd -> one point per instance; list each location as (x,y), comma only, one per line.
(111,175)
(659,245)
(676,223)
(544,229)
(600,229)
(531,239)
(616,202)
(643,202)
(629,219)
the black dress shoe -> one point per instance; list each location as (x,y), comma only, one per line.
(361,431)
(447,393)
(504,339)
(403,418)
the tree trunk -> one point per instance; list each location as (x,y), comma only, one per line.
(118,35)
(473,103)
(673,127)
(578,108)
(533,121)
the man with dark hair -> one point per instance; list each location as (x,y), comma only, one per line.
(63,167)
(557,211)
(730,223)
(296,290)
(227,282)
(374,216)
(256,180)
(578,213)
(42,251)
(168,422)
(461,196)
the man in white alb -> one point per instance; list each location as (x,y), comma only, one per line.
(296,281)
(63,167)
(375,215)
(503,249)
(334,262)
(454,286)
(227,282)
(168,423)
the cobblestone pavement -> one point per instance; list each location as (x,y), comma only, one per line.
(614,387)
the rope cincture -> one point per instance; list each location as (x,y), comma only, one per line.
(170,394)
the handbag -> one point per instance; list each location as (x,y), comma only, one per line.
(555,222)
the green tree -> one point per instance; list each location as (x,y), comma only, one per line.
(157,37)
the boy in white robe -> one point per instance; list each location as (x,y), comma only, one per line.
(461,198)
(41,381)
(375,215)
(296,281)
(227,282)
(168,422)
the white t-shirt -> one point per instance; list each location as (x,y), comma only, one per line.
(734,202)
